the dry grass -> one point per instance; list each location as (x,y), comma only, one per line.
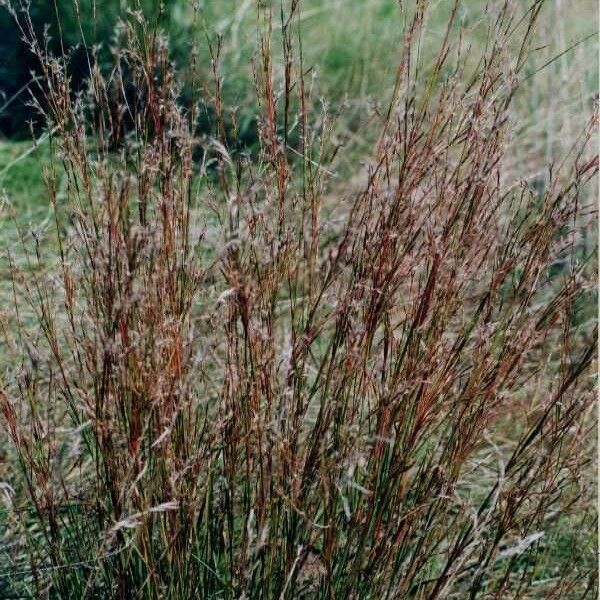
(228,385)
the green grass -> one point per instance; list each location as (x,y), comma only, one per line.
(21,182)
(350,47)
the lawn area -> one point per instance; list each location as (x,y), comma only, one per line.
(21,179)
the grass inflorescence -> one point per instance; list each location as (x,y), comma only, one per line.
(236,377)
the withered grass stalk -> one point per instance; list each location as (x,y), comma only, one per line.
(235,385)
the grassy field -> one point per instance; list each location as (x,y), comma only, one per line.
(351,62)
(276,425)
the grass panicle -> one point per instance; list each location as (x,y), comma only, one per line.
(243,374)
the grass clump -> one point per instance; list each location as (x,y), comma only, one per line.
(235,385)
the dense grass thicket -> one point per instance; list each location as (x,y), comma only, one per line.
(291,347)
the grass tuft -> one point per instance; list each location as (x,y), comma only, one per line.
(232,381)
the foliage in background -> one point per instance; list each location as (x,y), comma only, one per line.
(69,27)
(343,45)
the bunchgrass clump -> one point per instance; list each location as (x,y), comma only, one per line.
(232,380)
